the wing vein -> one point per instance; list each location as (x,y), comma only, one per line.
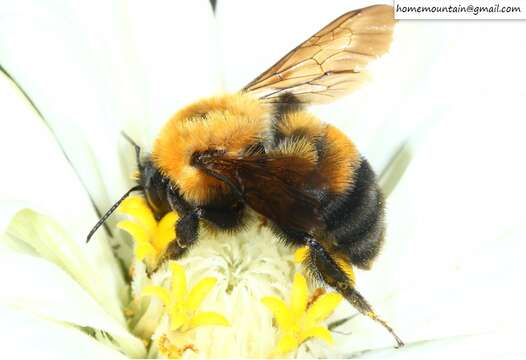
(345,46)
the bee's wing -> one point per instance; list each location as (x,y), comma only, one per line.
(272,186)
(274,190)
(332,62)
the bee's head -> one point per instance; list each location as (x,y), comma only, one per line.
(154,185)
(150,181)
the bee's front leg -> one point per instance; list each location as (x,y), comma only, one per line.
(186,227)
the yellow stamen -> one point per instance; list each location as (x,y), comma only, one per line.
(320,332)
(298,322)
(208,318)
(300,294)
(151,237)
(178,281)
(158,292)
(199,292)
(280,311)
(301,254)
(182,305)
(323,306)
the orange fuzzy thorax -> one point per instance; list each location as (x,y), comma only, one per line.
(229,122)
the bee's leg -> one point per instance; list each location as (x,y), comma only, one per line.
(186,227)
(176,201)
(227,217)
(336,275)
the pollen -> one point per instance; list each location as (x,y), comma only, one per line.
(301,320)
(301,254)
(171,351)
(151,237)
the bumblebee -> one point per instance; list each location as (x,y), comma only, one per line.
(259,150)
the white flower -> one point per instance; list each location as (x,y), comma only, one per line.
(442,123)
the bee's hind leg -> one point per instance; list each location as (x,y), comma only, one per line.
(338,275)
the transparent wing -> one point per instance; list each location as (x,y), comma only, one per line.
(273,185)
(332,62)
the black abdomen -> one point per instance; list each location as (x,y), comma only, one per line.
(355,219)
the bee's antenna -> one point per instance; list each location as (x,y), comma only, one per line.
(137,149)
(111,210)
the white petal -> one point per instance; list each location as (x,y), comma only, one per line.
(40,178)
(7,211)
(65,55)
(28,337)
(37,234)
(37,286)
(176,45)
(502,345)
(454,251)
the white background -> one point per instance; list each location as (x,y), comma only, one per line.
(443,121)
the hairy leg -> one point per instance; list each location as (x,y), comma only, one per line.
(186,227)
(224,216)
(338,275)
